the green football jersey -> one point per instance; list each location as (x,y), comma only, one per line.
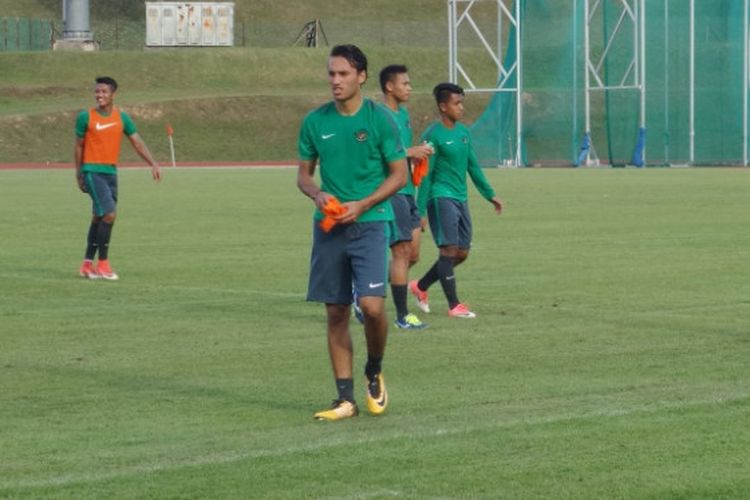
(454,157)
(403,122)
(353,153)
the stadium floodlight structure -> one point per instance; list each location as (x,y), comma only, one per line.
(509,69)
(628,35)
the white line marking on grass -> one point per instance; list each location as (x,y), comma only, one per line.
(238,456)
(192,168)
(150,287)
(220,290)
(372,494)
(236,296)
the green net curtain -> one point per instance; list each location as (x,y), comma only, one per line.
(553,86)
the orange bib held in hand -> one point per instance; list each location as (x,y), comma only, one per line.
(331,209)
(420,171)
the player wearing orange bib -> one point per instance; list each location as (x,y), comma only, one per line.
(99,134)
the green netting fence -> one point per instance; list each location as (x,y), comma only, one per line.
(25,33)
(553,56)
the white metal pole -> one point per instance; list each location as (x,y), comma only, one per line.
(587,78)
(745,84)
(643,61)
(574,65)
(501,142)
(519,87)
(451,41)
(692,82)
(666,81)
(643,71)
(500,42)
(171,151)
(636,43)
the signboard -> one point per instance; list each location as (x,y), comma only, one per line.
(189,24)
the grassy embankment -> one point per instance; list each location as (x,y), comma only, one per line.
(224,104)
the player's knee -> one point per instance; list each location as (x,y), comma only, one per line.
(413,259)
(449,251)
(400,251)
(372,307)
(413,256)
(110,217)
(337,314)
(461,256)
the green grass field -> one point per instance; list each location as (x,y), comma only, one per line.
(609,358)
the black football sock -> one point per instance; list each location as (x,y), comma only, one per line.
(91,243)
(399,300)
(103,235)
(429,277)
(373,366)
(345,387)
(448,280)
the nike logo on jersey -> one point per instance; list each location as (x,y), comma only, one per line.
(102,126)
(448,143)
(326,136)
(376,285)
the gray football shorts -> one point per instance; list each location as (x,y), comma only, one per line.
(102,189)
(407,217)
(450,222)
(349,256)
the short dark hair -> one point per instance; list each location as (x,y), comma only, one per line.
(106,80)
(353,54)
(443,91)
(387,74)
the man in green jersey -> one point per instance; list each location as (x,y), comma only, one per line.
(99,132)
(443,195)
(396,86)
(362,163)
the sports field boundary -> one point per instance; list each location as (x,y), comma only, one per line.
(195,164)
(294,164)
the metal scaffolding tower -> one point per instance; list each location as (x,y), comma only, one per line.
(613,53)
(509,79)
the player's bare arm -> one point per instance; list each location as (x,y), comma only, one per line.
(78,155)
(306,183)
(396,180)
(143,152)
